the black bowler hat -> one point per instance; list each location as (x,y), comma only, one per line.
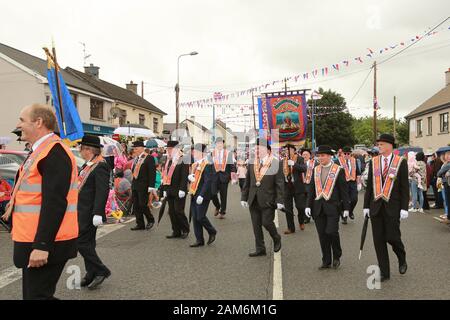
(325,149)
(263,143)
(138,144)
(91,141)
(172,143)
(307,150)
(200,147)
(384,137)
(346,149)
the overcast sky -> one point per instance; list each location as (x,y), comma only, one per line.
(241,44)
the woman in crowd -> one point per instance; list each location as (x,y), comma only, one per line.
(444,180)
(419,182)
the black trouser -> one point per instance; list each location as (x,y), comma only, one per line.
(386,229)
(426,204)
(86,247)
(352,188)
(241,183)
(40,283)
(300,202)
(177,216)
(141,209)
(328,229)
(439,203)
(200,220)
(223,192)
(262,217)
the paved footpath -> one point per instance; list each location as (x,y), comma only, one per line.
(146,265)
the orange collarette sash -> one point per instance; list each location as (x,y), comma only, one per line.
(259,171)
(168,172)
(197,169)
(84,174)
(326,191)
(286,169)
(380,190)
(138,166)
(309,171)
(349,175)
(217,166)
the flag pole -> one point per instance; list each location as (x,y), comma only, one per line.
(58,90)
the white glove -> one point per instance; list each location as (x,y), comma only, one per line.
(191,177)
(280,206)
(150,189)
(181,194)
(403,214)
(359,187)
(199,200)
(244,204)
(97,220)
(164,194)
(291,163)
(346,213)
(366,213)
(308,212)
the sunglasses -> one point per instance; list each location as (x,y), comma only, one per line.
(347,153)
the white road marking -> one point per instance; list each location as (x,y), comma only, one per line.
(11,274)
(277,291)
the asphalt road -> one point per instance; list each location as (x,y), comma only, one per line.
(146,265)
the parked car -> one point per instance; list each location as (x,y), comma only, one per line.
(8,169)
(16,156)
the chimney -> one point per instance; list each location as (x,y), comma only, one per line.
(92,71)
(447,77)
(193,118)
(132,87)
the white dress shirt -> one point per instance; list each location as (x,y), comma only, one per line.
(39,142)
(389,157)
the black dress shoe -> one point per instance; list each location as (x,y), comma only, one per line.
(137,228)
(336,263)
(325,266)
(184,235)
(352,216)
(212,238)
(149,225)
(197,244)
(257,254)
(98,280)
(344,220)
(402,268)
(173,236)
(277,244)
(384,278)
(85,282)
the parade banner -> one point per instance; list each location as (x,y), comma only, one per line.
(287,113)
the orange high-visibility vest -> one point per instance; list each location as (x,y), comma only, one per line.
(27,197)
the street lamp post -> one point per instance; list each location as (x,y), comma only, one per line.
(177,89)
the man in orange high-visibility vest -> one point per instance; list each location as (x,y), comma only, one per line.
(43,205)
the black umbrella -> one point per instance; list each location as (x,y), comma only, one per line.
(363,236)
(161,210)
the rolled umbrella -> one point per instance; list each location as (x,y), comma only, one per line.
(161,210)
(363,236)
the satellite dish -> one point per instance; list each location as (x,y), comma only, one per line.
(114,112)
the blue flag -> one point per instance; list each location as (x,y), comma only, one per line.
(71,128)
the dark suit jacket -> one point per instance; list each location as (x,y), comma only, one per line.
(224,176)
(179,179)
(358,170)
(147,176)
(206,181)
(93,196)
(270,192)
(56,170)
(298,170)
(399,199)
(339,197)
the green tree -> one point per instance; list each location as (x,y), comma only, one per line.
(333,123)
(363,130)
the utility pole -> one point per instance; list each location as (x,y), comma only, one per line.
(285,85)
(375,102)
(395,132)
(253,107)
(142,89)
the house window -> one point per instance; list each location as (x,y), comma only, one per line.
(443,119)
(419,128)
(96,109)
(74,99)
(429,126)
(155,125)
(141,119)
